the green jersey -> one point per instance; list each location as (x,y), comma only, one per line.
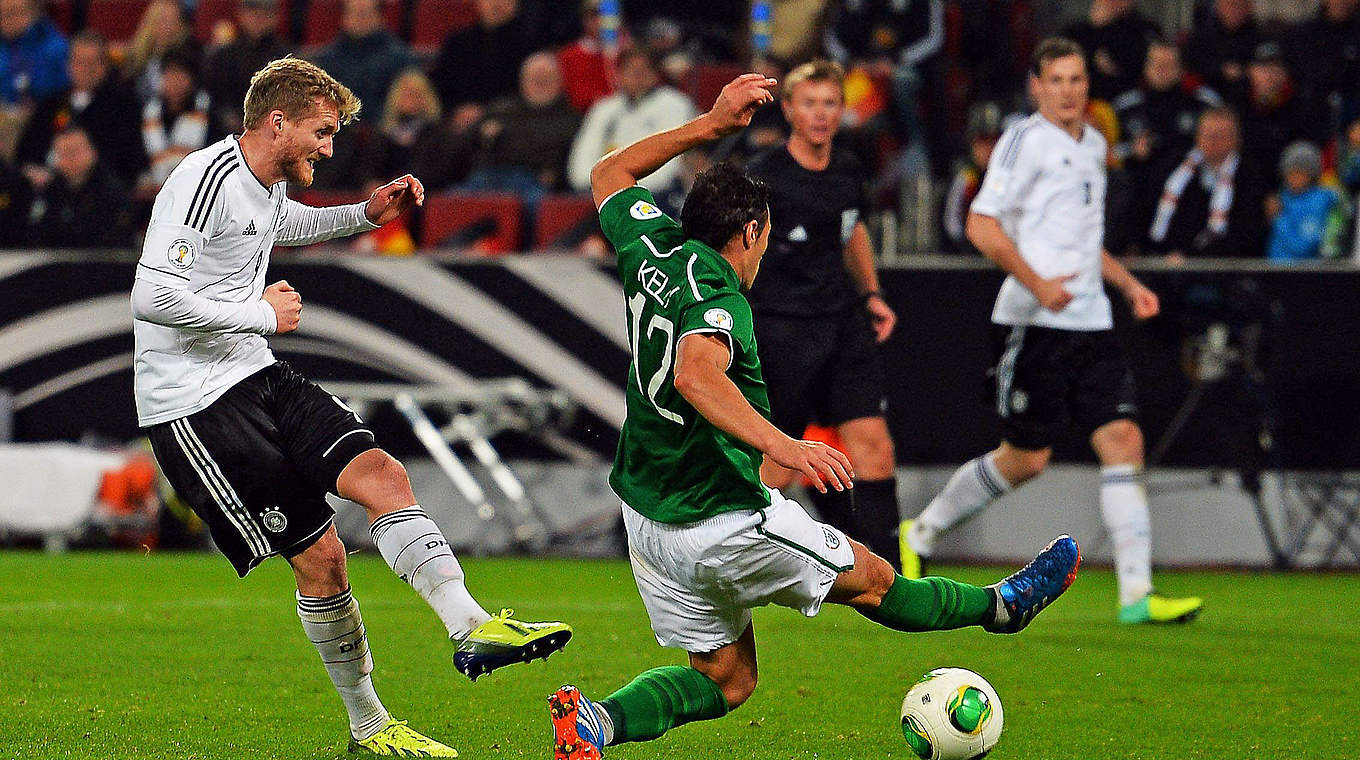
(673,465)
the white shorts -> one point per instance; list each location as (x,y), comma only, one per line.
(700,580)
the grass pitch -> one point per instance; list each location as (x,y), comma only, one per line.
(169,656)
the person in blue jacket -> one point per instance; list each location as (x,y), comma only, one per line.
(32,54)
(1308,219)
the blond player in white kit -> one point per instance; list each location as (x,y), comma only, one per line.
(1040,215)
(252,446)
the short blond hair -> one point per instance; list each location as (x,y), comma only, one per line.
(292,85)
(818,70)
(429,99)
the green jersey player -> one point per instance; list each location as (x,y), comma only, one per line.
(708,542)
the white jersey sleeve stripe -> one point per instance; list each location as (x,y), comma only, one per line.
(203,182)
(1012,153)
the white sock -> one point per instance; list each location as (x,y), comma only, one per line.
(334,626)
(606,724)
(1123,505)
(971,488)
(416,551)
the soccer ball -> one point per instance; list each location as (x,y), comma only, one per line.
(951,714)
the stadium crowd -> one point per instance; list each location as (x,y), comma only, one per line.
(1238,136)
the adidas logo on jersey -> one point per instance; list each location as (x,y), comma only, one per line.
(250,228)
(798,234)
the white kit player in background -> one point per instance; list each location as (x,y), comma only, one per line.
(252,446)
(1040,215)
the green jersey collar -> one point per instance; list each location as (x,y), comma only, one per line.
(729,274)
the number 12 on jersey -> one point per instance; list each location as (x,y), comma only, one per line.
(637,305)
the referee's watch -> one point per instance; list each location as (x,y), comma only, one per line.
(864,298)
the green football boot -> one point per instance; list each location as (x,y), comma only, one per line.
(502,641)
(396,739)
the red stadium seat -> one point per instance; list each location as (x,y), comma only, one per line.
(329,197)
(706,81)
(563,221)
(210,12)
(436,19)
(62,14)
(115,19)
(488,222)
(323,20)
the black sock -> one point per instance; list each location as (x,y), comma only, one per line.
(877,518)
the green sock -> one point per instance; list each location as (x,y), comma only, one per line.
(933,604)
(661,699)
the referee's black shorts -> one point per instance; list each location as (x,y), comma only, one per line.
(1047,380)
(824,369)
(257,463)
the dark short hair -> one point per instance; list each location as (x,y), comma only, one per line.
(724,198)
(1051,49)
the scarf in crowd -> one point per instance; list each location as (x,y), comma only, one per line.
(1220,199)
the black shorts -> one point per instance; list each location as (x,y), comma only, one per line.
(824,369)
(1047,380)
(257,463)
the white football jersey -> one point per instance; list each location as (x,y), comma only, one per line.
(199,318)
(1047,190)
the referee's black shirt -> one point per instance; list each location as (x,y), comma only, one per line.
(803,273)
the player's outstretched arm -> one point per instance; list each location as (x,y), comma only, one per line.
(304,225)
(701,377)
(986,233)
(391,200)
(731,112)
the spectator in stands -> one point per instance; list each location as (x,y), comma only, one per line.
(1222,45)
(32,54)
(641,107)
(984,129)
(83,204)
(1115,37)
(896,40)
(796,29)
(227,70)
(175,122)
(1158,118)
(1211,201)
(523,141)
(16,195)
(1324,55)
(587,72)
(366,56)
(1308,221)
(1276,114)
(163,27)
(481,63)
(1348,160)
(412,138)
(768,127)
(97,100)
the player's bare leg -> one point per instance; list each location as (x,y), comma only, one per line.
(1123,506)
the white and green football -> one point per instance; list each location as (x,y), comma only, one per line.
(951,714)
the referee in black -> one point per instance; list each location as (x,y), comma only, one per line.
(819,311)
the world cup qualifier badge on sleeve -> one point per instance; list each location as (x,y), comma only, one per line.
(181,254)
